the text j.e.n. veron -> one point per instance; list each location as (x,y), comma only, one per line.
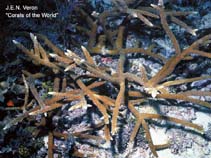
(20,7)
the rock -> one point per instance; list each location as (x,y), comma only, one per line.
(198,83)
(192,67)
(208,131)
(159,136)
(200,141)
(205,21)
(206,151)
(202,119)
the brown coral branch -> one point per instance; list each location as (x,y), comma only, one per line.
(35,76)
(181,81)
(35,93)
(26,98)
(35,57)
(56,84)
(184,25)
(118,102)
(175,120)
(167,29)
(50,145)
(184,98)
(100,107)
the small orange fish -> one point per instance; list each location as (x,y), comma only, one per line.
(10,103)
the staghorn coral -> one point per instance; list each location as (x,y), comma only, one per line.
(86,94)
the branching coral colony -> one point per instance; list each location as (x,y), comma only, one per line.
(111,44)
